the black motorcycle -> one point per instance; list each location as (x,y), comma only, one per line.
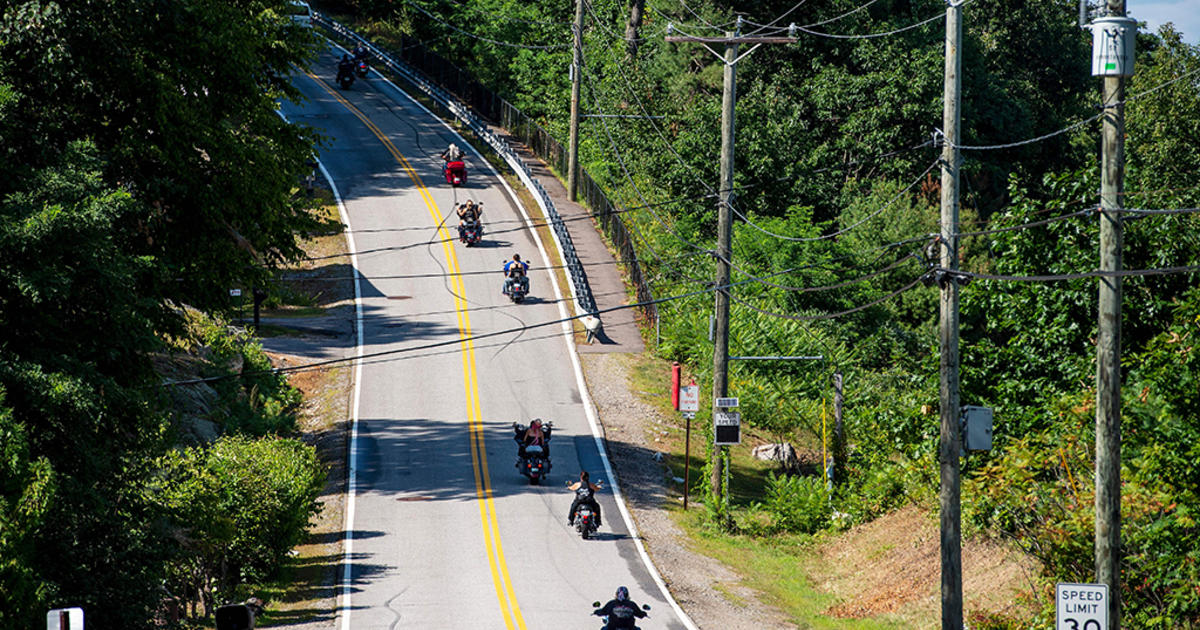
(585,521)
(533,461)
(361,68)
(516,286)
(345,76)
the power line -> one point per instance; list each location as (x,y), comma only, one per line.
(847,228)
(679,158)
(1074,276)
(910,27)
(810,318)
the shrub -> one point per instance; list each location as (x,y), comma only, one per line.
(235,509)
(798,504)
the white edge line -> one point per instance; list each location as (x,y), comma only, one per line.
(351,481)
(568,336)
(351,476)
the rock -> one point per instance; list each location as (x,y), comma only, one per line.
(783,453)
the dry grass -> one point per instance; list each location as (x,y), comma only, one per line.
(891,566)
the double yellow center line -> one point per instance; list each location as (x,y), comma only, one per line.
(483,485)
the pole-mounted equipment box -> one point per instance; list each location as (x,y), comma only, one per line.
(1113,39)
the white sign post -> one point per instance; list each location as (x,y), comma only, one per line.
(1081,606)
(689,400)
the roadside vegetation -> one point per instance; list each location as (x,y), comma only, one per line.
(145,174)
(837,190)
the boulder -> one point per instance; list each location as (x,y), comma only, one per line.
(783,453)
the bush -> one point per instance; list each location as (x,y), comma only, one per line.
(235,510)
(798,504)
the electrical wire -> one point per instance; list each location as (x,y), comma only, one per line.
(823,237)
(679,158)
(1009,145)
(910,27)
(811,318)
(1124,273)
(480,37)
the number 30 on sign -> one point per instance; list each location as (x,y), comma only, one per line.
(1081,606)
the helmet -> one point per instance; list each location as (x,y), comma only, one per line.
(516,257)
(622,594)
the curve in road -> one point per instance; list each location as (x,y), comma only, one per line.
(439,519)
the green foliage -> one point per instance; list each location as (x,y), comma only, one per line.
(234,509)
(27,487)
(797,504)
(256,400)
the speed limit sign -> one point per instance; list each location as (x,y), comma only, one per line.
(1081,606)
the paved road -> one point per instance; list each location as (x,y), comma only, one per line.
(446,534)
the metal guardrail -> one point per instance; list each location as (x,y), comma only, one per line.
(576,276)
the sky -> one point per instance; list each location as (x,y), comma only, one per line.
(1184,13)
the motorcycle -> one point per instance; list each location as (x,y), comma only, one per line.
(455,172)
(345,79)
(470,232)
(516,287)
(605,627)
(585,521)
(535,463)
(361,68)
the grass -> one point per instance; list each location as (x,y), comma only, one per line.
(779,568)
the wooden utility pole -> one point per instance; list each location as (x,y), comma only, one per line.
(1108,344)
(951,431)
(724,251)
(576,71)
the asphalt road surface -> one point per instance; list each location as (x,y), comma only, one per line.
(445,532)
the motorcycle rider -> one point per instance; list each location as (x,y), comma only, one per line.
(452,153)
(345,67)
(585,494)
(621,611)
(360,53)
(535,435)
(467,213)
(515,271)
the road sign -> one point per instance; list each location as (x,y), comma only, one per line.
(727,428)
(64,619)
(726,403)
(1081,606)
(235,293)
(689,398)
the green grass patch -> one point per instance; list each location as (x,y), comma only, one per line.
(778,568)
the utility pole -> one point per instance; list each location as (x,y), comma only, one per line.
(1108,344)
(724,251)
(951,490)
(576,71)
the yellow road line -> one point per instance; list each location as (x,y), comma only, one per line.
(483,484)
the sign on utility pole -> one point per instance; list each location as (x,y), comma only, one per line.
(727,427)
(1080,606)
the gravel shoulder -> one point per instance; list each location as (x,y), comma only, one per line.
(696,581)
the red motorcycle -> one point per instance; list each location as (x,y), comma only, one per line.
(456,173)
